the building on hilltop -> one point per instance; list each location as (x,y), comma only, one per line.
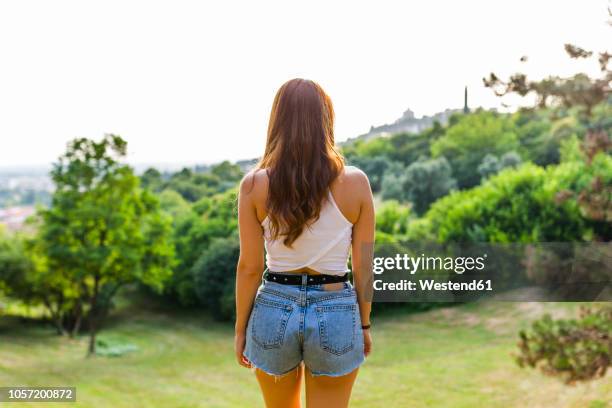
(409,123)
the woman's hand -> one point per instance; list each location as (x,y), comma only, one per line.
(239,343)
(367,342)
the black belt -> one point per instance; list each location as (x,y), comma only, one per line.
(295,279)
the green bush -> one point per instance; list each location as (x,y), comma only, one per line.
(574,349)
(408,147)
(14,264)
(516,205)
(467,142)
(209,218)
(491,164)
(589,186)
(392,218)
(421,183)
(214,276)
(542,134)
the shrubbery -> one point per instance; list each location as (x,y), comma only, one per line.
(14,264)
(194,230)
(473,137)
(574,349)
(514,206)
(214,277)
(421,183)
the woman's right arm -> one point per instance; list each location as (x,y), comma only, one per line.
(250,263)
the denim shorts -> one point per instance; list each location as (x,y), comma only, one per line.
(294,323)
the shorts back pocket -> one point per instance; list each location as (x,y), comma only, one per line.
(337,327)
(269,321)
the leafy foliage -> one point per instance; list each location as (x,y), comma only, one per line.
(421,183)
(492,164)
(215,277)
(514,206)
(102,231)
(409,147)
(194,231)
(194,185)
(392,218)
(574,349)
(473,137)
(14,265)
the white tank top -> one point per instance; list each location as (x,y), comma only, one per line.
(324,247)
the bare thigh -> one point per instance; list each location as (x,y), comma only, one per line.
(283,392)
(329,392)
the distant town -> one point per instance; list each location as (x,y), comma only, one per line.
(23,188)
(20,191)
(409,123)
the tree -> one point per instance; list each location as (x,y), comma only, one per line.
(409,147)
(392,187)
(103,231)
(536,141)
(227,172)
(421,183)
(25,275)
(488,166)
(209,218)
(215,276)
(576,349)
(491,164)
(378,146)
(14,264)
(392,218)
(514,206)
(466,143)
(427,180)
(590,98)
(151,179)
(204,182)
(174,204)
(576,91)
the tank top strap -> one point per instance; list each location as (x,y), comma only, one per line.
(332,201)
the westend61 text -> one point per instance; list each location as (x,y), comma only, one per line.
(430,284)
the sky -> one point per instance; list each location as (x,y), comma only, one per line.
(193,81)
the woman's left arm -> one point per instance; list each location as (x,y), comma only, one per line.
(250,263)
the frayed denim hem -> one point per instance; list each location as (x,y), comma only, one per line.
(341,373)
(276,376)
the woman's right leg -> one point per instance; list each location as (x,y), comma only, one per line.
(329,392)
(283,392)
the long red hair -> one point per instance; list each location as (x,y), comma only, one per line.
(300,157)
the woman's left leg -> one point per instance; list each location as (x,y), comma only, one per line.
(283,392)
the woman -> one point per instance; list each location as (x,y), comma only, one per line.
(305,320)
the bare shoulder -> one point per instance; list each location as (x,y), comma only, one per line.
(352,192)
(351,188)
(355,179)
(254,183)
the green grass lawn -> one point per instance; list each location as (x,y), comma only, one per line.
(451,357)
